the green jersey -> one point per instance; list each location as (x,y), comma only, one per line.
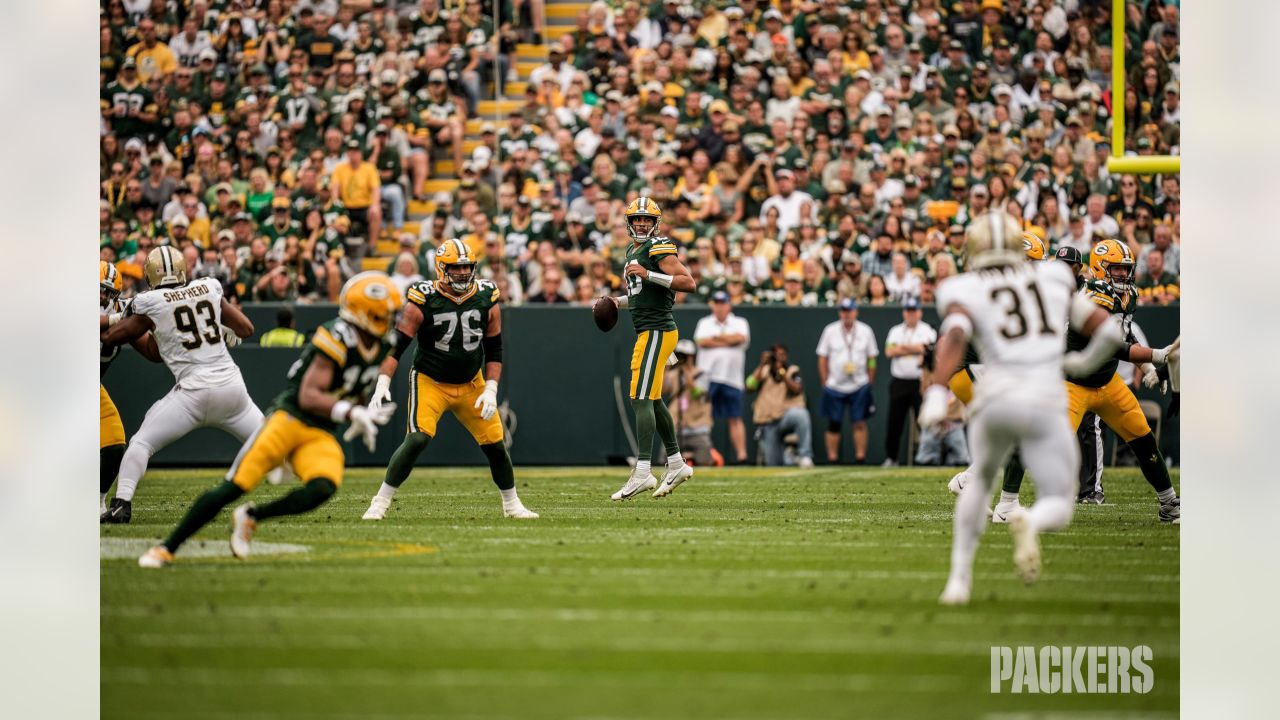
(1120,304)
(449,347)
(650,303)
(353,381)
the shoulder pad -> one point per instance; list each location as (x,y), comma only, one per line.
(419,292)
(343,331)
(1101,293)
(662,246)
(487,288)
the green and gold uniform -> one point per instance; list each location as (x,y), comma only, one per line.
(651,317)
(1103,391)
(448,364)
(309,442)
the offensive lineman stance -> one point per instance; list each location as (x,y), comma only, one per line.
(653,274)
(326,386)
(458,325)
(192,324)
(1013,310)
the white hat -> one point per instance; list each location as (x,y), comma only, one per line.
(389,75)
(208,54)
(670,111)
(480,156)
(134,144)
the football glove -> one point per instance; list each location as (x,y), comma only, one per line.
(933,409)
(230,338)
(1160,356)
(381,392)
(1151,378)
(487,403)
(365,421)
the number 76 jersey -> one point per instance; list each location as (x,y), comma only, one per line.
(188,332)
(449,349)
(1019,314)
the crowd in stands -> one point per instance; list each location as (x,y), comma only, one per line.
(803,152)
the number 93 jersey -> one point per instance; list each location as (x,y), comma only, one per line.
(188,332)
(449,349)
(353,380)
(1019,314)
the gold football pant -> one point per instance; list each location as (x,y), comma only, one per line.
(110,429)
(649,361)
(313,452)
(1114,403)
(429,400)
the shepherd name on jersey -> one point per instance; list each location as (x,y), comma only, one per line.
(353,381)
(1104,295)
(188,332)
(650,303)
(1017,313)
(449,339)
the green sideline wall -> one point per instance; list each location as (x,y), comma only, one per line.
(558,382)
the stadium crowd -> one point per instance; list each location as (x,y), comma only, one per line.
(803,152)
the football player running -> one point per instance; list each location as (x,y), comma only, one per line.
(458,325)
(1102,391)
(111,442)
(653,274)
(1011,309)
(192,324)
(327,386)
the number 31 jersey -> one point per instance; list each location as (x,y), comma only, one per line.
(449,349)
(188,332)
(1019,314)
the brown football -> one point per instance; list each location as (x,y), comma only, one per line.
(605,312)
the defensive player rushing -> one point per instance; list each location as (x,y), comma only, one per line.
(458,324)
(1012,310)
(326,386)
(653,274)
(193,325)
(1102,391)
(110,430)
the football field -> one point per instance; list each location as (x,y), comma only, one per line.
(749,593)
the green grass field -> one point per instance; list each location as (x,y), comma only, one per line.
(746,594)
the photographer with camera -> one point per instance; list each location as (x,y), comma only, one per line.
(779,408)
(685,390)
(904,345)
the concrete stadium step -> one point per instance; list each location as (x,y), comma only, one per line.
(566,10)
(434,186)
(473,126)
(516,89)
(421,209)
(496,108)
(555,32)
(386,248)
(525,68)
(526,51)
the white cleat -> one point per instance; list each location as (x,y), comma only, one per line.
(519,512)
(156,557)
(242,530)
(956,592)
(635,485)
(805,462)
(1026,546)
(673,480)
(378,508)
(959,480)
(1004,511)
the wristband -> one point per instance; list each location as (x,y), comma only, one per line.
(340,410)
(658,278)
(114,318)
(624,301)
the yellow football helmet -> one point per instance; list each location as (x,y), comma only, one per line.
(1033,245)
(1112,261)
(110,283)
(455,266)
(370,301)
(640,209)
(165,267)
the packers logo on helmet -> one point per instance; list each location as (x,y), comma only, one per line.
(643,217)
(1112,261)
(165,267)
(370,301)
(1033,246)
(455,266)
(110,283)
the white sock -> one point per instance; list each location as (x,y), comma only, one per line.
(509,497)
(125,488)
(1008,497)
(387,491)
(1166,495)
(675,460)
(643,467)
(102,497)
(1050,513)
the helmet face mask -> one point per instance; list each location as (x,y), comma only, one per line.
(455,266)
(1120,275)
(110,283)
(165,267)
(460,276)
(1112,262)
(643,218)
(370,301)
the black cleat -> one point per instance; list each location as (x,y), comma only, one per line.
(120,512)
(1094,497)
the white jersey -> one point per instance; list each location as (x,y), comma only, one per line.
(188,331)
(1019,315)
